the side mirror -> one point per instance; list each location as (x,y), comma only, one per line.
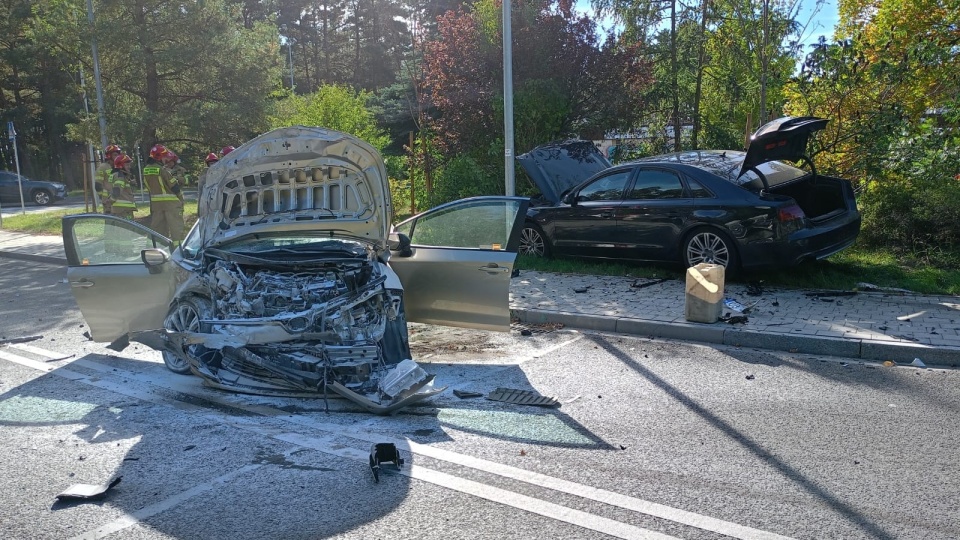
(400,243)
(570,199)
(154,258)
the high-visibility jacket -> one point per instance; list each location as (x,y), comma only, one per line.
(160,183)
(103,177)
(121,190)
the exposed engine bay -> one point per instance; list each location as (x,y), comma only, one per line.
(298,320)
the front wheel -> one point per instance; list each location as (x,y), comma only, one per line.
(42,197)
(533,241)
(185,316)
(712,247)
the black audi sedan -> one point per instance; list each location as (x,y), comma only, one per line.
(39,192)
(743,210)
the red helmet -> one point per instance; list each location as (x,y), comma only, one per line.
(121,160)
(112,150)
(226,150)
(158,151)
(170,157)
(211,158)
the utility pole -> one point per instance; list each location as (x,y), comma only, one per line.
(90,152)
(96,76)
(508,165)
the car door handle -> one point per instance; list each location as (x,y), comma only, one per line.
(605,215)
(83,283)
(493,268)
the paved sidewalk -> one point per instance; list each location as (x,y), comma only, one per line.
(869,325)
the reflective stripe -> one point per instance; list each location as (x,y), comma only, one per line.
(164,198)
(125,204)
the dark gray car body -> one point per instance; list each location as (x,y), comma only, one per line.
(761,212)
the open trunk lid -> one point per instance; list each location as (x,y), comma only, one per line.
(783,138)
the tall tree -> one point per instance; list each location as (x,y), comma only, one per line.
(185,72)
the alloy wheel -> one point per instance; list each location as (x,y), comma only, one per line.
(532,242)
(708,247)
(41,197)
(183,318)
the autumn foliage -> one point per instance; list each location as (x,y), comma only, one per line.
(565,79)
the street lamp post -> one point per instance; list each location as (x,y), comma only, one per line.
(508,165)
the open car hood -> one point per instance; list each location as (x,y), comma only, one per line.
(297,179)
(558,166)
(783,138)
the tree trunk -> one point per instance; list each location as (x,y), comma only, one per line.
(674,83)
(701,58)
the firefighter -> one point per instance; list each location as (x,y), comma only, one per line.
(171,161)
(121,188)
(226,150)
(121,194)
(166,200)
(103,175)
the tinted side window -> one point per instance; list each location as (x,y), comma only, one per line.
(656,184)
(607,188)
(697,189)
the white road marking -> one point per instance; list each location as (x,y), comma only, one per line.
(132,519)
(40,352)
(459,484)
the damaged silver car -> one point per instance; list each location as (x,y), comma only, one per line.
(292,281)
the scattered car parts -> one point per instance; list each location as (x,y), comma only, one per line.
(384,453)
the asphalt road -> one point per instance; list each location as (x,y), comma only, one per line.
(654,439)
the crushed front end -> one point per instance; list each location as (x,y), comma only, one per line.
(303,319)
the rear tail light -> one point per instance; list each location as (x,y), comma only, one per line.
(791,218)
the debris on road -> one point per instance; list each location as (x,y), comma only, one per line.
(828,294)
(734,319)
(870,287)
(751,377)
(734,305)
(466,394)
(641,283)
(522,397)
(918,363)
(582,289)
(19,339)
(87,492)
(384,453)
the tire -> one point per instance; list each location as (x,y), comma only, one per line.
(711,246)
(41,196)
(533,241)
(185,316)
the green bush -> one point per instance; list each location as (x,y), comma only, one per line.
(915,206)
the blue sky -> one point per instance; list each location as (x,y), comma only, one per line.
(821,24)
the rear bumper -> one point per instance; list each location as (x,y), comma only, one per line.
(808,244)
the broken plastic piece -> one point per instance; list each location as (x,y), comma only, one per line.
(522,397)
(384,453)
(87,492)
(734,305)
(19,339)
(917,363)
(465,394)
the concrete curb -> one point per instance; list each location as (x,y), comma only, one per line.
(45,259)
(902,353)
